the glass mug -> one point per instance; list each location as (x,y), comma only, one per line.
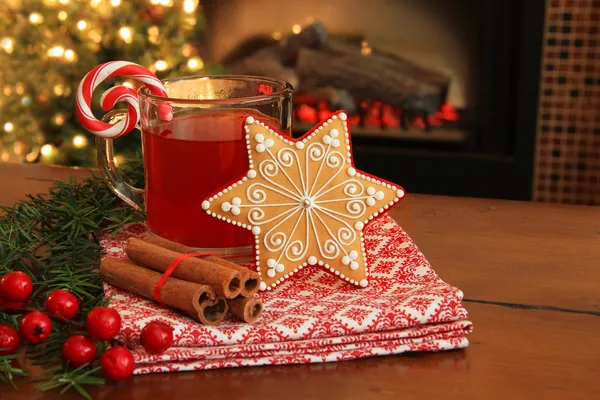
(200,150)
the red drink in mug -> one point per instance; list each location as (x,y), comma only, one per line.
(200,150)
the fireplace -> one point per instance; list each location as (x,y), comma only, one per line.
(442,95)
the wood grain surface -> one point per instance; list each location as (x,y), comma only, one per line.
(531,276)
(510,251)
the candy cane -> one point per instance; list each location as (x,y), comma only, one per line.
(116,94)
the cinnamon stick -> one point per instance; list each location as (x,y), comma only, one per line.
(225,281)
(247,309)
(198,301)
(249,280)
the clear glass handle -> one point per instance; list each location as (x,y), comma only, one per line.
(106,161)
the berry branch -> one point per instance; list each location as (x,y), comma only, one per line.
(57,318)
(49,255)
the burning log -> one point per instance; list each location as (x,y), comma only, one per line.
(313,36)
(337,72)
(402,65)
(265,62)
(393,81)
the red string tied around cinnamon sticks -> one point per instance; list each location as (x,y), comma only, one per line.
(170,270)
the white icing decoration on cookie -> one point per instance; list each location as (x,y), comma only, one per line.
(205,205)
(262,286)
(233,207)
(331,138)
(274,267)
(400,193)
(350,259)
(373,195)
(363,283)
(249,120)
(305,196)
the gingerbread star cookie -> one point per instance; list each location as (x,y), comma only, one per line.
(305,202)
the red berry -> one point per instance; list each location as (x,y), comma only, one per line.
(79,350)
(103,323)
(62,303)
(9,339)
(35,327)
(157,337)
(117,363)
(16,286)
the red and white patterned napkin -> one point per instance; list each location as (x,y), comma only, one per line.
(312,317)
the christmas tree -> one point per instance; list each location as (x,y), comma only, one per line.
(47,46)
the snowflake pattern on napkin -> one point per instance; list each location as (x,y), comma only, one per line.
(312,317)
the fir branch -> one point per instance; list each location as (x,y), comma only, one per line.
(12,320)
(8,371)
(54,239)
(48,353)
(65,379)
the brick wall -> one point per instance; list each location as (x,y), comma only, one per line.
(568,133)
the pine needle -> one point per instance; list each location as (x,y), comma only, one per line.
(8,372)
(65,379)
(53,238)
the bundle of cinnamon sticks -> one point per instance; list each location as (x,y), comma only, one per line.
(205,288)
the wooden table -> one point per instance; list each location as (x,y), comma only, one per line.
(531,277)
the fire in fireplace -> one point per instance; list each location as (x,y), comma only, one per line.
(384,94)
(441,94)
(401,68)
(308,110)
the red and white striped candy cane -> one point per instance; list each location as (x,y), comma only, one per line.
(116,94)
